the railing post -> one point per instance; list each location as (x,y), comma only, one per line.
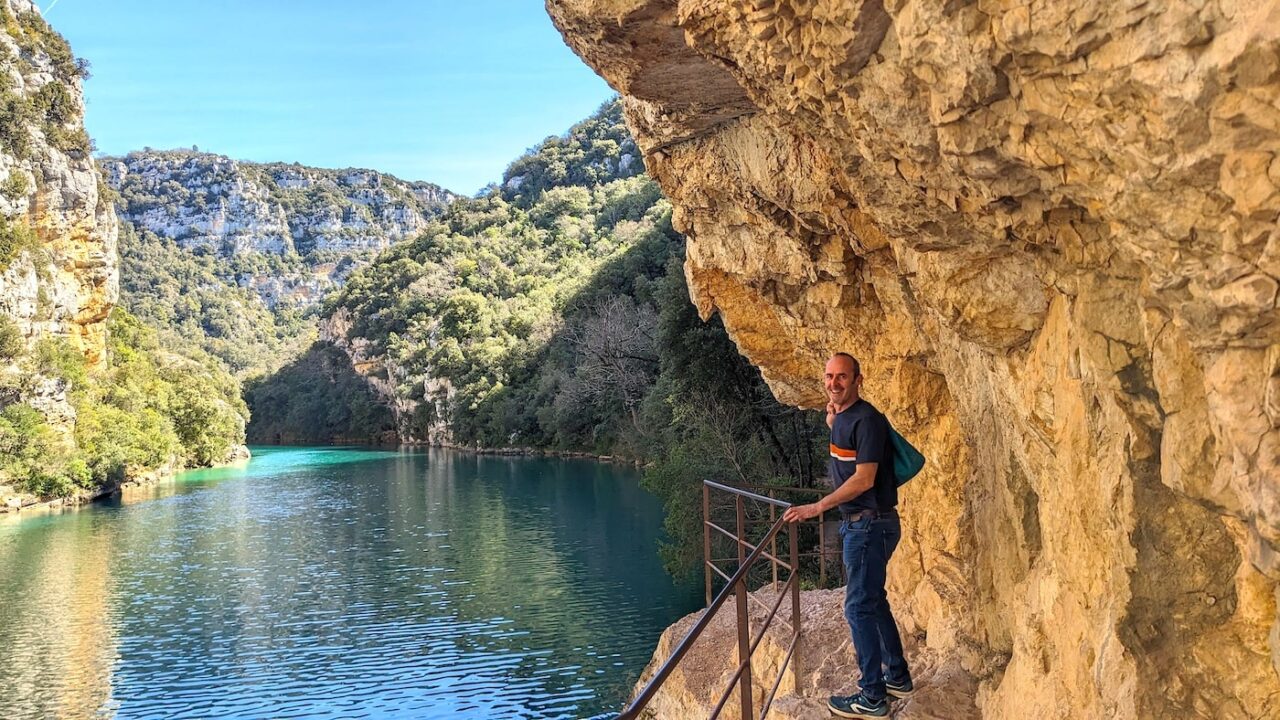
(822,551)
(744,650)
(742,522)
(773,544)
(706,538)
(795,606)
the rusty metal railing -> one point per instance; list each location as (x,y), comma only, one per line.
(823,551)
(736,586)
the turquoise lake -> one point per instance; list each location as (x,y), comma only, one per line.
(340,583)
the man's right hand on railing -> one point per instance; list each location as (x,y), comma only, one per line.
(799,513)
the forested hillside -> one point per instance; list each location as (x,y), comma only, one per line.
(88,396)
(550,313)
(233,257)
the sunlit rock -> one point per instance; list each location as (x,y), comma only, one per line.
(1048,230)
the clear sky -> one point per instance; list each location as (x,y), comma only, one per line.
(448,91)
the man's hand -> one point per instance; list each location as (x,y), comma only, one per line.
(831,413)
(797,513)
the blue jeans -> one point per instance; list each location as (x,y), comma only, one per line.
(868,545)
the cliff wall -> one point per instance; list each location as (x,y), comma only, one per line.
(293,232)
(1048,231)
(58,263)
(79,412)
(386,377)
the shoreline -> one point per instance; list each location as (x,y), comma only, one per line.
(537,452)
(21,504)
(515,451)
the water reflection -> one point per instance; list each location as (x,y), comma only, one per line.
(58,645)
(321,583)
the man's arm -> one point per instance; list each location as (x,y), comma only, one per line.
(861,481)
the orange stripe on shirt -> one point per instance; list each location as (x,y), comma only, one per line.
(840,453)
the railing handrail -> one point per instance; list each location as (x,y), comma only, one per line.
(735,585)
(789,488)
(748,494)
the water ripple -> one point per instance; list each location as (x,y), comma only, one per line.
(356,585)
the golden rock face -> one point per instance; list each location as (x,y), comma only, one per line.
(65,279)
(1048,230)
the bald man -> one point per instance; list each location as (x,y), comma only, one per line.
(866,492)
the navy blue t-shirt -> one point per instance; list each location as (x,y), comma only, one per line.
(860,434)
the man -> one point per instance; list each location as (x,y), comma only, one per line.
(867,495)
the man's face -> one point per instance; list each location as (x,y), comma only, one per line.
(842,386)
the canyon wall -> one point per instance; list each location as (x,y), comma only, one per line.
(290,232)
(58,263)
(1048,231)
(385,378)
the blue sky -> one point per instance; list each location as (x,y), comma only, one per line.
(438,90)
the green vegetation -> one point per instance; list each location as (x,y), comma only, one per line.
(192,298)
(317,398)
(54,102)
(16,185)
(478,296)
(33,451)
(72,141)
(555,309)
(60,119)
(52,106)
(16,116)
(148,408)
(34,35)
(15,237)
(11,343)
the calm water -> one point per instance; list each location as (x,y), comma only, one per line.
(323,583)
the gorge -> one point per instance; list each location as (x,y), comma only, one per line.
(1048,231)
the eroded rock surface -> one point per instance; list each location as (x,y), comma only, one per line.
(1048,230)
(58,262)
(295,232)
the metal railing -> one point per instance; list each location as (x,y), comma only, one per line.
(823,551)
(736,586)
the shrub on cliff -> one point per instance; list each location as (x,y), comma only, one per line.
(148,408)
(11,343)
(15,237)
(35,455)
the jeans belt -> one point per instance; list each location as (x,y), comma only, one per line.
(873,514)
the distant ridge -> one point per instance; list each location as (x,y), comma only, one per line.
(320,223)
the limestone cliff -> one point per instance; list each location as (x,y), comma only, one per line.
(387,378)
(57,233)
(315,225)
(58,262)
(1048,230)
(78,414)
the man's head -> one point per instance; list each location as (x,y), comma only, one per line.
(843,379)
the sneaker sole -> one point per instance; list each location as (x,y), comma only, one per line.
(854,715)
(901,694)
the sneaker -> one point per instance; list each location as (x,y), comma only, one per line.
(900,690)
(858,706)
